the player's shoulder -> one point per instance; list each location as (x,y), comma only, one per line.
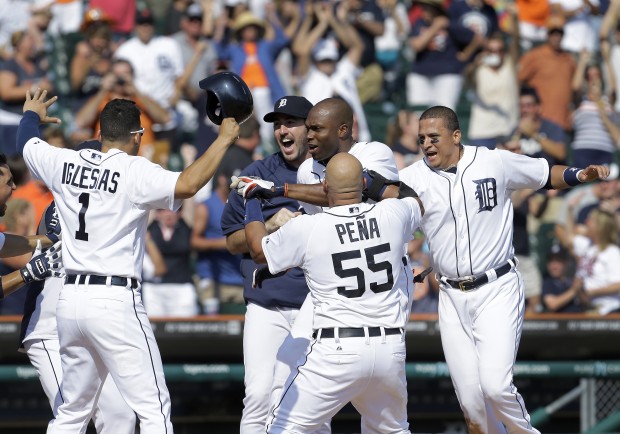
(374,147)
(263,167)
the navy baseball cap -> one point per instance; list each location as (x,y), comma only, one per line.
(295,106)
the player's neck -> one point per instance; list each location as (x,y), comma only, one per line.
(452,165)
(344,198)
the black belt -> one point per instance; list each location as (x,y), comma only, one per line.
(473,282)
(94,279)
(347,332)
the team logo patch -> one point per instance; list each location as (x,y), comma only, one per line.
(354,210)
(282,103)
(486,193)
(95,156)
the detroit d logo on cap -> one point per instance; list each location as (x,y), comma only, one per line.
(282,102)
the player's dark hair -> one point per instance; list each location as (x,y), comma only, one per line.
(2,159)
(530,91)
(451,121)
(118,118)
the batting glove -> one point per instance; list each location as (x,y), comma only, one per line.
(43,265)
(249,187)
(261,274)
(52,223)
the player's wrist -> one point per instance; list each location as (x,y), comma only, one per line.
(571,176)
(253,212)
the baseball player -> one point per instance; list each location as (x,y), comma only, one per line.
(354,274)
(39,340)
(329,126)
(272,311)
(103,200)
(466,192)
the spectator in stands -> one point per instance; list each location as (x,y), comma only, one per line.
(93,57)
(328,74)
(596,128)
(177,10)
(536,136)
(158,67)
(402,138)
(493,76)
(579,34)
(252,56)
(123,12)
(533,16)
(191,39)
(476,17)
(389,45)
(18,220)
(436,76)
(33,191)
(173,294)
(21,73)
(598,256)
(218,270)
(14,16)
(243,151)
(425,293)
(550,70)
(119,83)
(367,18)
(560,292)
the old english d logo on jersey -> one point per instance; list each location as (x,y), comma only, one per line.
(486,193)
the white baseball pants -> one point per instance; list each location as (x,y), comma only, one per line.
(104,330)
(112,415)
(369,372)
(480,334)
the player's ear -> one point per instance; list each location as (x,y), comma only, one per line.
(456,136)
(99,135)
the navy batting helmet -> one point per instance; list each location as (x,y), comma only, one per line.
(227,97)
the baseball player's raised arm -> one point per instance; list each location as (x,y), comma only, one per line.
(565,177)
(194,177)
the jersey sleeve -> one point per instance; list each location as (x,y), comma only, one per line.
(522,171)
(232,216)
(380,158)
(153,186)
(414,216)
(286,247)
(43,160)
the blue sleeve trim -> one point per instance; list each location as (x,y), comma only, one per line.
(28,129)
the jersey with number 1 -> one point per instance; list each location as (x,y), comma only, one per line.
(103,202)
(352,256)
(373,155)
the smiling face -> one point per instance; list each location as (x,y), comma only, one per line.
(290,134)
(441,146)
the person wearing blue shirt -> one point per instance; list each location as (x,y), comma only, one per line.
(272,310)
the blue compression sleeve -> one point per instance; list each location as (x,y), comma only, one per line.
(28,128)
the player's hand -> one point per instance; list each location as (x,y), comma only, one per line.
(43,265)
(249,187)
(229,129)
(52,224)
(261,274)
(39,105)
(593,172)
(279,219)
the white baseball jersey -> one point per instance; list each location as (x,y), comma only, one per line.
(92,185)
(373,156)
(352,256)
(156,66)
(468,214)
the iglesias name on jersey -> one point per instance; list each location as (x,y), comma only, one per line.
(103,202)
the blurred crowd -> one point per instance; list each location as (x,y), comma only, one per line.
(537,77)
